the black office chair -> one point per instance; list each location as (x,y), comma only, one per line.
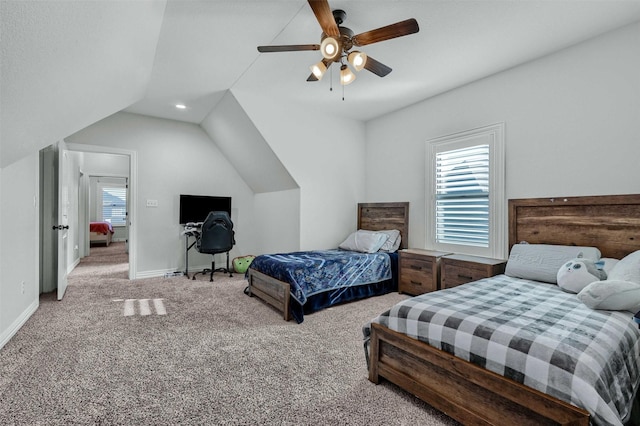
(216,236)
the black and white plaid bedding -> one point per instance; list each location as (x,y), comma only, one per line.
(535,334)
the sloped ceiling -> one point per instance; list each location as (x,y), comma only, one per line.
(207,46)
(67,64)
(229,126)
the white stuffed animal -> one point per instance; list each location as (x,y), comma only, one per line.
(578,273)
(620,291)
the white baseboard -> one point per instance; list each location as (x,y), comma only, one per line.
(7,334)
(73,266)
(161,272)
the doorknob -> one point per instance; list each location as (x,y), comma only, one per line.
(60,227)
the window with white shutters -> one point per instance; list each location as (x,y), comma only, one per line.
(462,196)
(465,197)
(114,204)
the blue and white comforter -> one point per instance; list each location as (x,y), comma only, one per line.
(313,272)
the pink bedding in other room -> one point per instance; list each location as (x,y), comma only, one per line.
(101,227)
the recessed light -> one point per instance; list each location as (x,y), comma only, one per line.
(181,106)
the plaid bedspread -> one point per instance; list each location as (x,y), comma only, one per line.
(313,272)
(535,334)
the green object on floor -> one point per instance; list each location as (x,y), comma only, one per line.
(241,264)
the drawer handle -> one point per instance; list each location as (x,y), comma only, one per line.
(416,282)
(416,267)
(466,277)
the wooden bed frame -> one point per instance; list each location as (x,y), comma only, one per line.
(371,216)
(98,238)
(473,395)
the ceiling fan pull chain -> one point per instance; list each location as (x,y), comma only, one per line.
(343,93)
(331,80)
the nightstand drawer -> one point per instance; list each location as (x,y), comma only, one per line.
(461,269)
(419,271)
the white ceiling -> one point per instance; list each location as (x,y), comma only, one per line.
(67,64)
(207,47)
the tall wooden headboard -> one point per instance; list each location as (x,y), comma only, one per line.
(609,222)
(382,216)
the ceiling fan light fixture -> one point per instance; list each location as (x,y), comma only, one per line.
(346,75)
(318,69)
(357,59)
(330,48)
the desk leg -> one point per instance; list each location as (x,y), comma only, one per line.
(186,256)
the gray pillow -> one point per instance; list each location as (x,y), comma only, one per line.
(364,241)
(393,241)
(541,262)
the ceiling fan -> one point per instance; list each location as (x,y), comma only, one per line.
(337,42)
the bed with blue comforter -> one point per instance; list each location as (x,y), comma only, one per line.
(366,265)
(322,278)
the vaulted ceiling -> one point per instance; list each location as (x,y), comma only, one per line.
(68,64)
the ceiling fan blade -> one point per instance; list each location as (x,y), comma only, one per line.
(288,48)
(378,68)
(325,17)
(399,29)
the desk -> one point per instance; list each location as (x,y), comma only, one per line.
(190,230)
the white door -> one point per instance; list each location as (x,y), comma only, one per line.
(127,214)
(49,259)
(62,227)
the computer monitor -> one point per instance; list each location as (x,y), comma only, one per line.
(195,208)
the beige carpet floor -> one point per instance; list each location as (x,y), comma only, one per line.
(169,351)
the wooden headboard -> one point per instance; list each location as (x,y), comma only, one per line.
(609,222)
(382,216)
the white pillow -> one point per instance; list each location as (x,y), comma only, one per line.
(541,262)
(364,241)
(609,263)
(612,295)
(393,241)
(628,269)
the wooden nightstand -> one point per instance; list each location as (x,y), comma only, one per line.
(419,271)
(460,269)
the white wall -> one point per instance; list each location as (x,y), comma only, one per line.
(324,155)
(277,220)
(101,164)
(173,158)
(572,125)
(19,254)
(234,133)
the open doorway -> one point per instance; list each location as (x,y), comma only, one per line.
(106,206)
(87,161)
(108,190)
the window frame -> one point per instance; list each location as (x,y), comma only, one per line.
(492,135)
(100,187)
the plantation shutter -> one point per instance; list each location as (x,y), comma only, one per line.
(114,204)
(462,196)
